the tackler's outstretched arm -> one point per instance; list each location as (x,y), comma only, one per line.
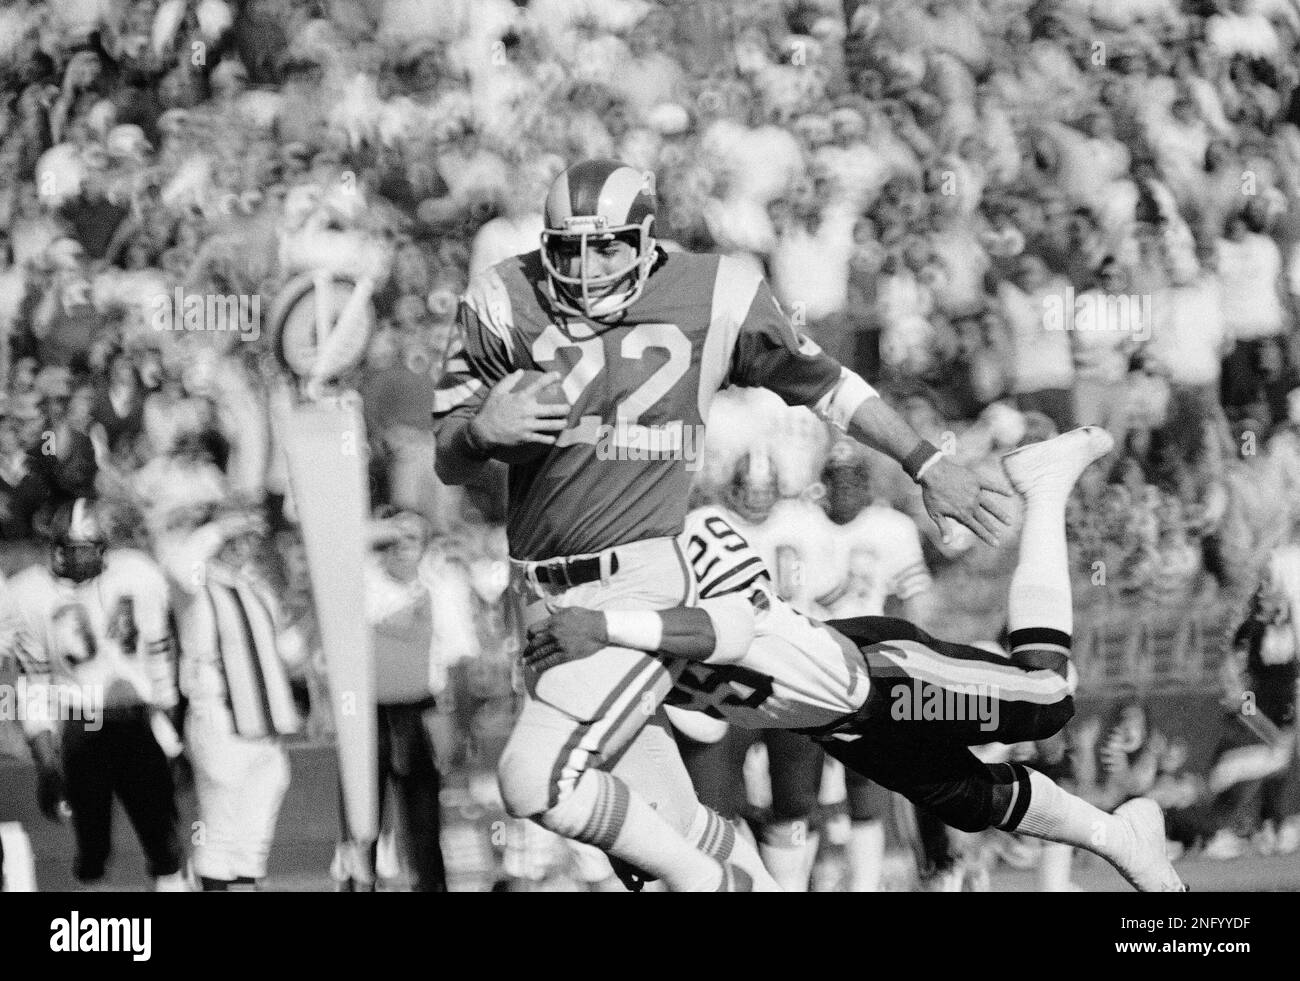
(717,631)
(951,491)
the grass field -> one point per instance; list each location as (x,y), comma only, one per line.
(308,825)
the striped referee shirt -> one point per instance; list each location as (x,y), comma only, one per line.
(233,648)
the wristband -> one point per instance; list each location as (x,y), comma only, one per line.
(641,630)
(920,474)
(920,459)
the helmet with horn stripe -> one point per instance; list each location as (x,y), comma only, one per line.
(592,203)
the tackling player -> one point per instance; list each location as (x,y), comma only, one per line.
(639,340)
(891,702)
(788,839)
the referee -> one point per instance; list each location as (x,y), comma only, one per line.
(235,652)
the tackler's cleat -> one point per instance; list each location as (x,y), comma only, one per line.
(1148,868)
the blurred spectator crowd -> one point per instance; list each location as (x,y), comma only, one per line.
(1013,217)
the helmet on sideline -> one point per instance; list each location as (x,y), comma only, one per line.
(77,541)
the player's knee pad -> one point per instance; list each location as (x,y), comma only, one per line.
(541,762)
(1051,719)
(1034,723)
(971,803)
(526,779)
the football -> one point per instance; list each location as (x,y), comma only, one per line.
(552,394)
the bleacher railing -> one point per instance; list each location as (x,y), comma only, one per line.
(1143,647)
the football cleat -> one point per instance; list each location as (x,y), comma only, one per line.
(1147,867)
(1055,464)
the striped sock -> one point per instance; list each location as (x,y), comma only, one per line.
(1040,611)
(1038,648)
(603,811)
(717,837)
(609,813)
(712,833)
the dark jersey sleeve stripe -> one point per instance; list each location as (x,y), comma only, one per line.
(734,579)
(476,360)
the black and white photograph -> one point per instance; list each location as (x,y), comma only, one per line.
(580,446)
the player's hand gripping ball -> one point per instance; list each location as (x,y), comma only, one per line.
(522,416)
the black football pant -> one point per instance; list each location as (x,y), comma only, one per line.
(123,759)
(930,700)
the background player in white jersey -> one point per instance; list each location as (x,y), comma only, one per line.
(642,340)
(17,860)
(887,699)
(93,626)
(881,562)
(844,564)
(787,839)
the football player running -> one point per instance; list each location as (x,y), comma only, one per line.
(888,700)
(639,340)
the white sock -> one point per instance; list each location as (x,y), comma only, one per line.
(1040,585)
(785,847)
(1045,474)
(603,811)
(1054,867)
(866,855)
(18,870)
(1055,814)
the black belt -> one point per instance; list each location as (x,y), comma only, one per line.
(563,573)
